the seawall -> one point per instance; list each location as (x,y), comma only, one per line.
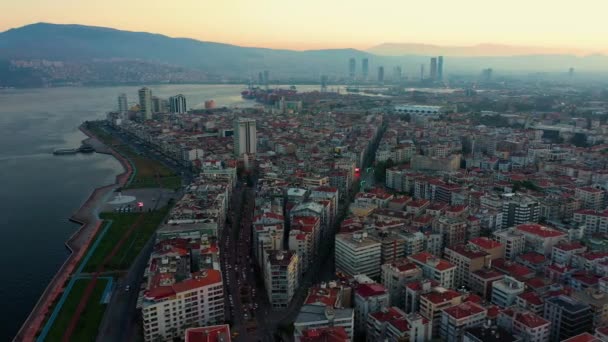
(88,218)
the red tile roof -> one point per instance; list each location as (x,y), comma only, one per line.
(485,243)
(198,280)
(539,230)
(423,257)
(417,285)
(214,333)
(533,258)
(530,320)
(569,246)
(369,290)
(464,310)
(584,337)
(437,297)
(511,268)
(327,334)
(320,296)
(467,252)
(531,297)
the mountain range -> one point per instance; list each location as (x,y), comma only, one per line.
(106,55)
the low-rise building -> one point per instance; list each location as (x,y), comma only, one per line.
(396,275)
(467,259)
(319,317)
(505,291)
(435,268)
(369,298)
(457,318)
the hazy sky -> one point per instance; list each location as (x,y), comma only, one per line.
(308,24)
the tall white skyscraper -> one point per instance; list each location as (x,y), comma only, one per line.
(245,136)
(177,104)
(122,103)
(145,103)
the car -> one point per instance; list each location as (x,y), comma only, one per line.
(127,288)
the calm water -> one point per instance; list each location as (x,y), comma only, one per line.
(39,191)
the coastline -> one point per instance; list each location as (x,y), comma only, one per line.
(78,243)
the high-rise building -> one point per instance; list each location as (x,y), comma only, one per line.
(177,104)
(156,104)
(455,319)
(357,253)
(396,274)
(260,79)
(421,72)
(568,317)
(519,209)
(323,83)
(440,68)
(365,68)
(397,74)
(434,68)
(486,74)
(281,277)
(352,66)
(197,300)
(245,136)
(266,79)
(381,74)
(122,103)
(145,103)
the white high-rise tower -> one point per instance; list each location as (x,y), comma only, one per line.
(245,137)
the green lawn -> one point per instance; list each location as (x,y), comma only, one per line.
(121,222)
(147,169)
(88,324)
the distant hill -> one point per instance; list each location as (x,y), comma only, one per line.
(480,50)
(98,55)
(77,43)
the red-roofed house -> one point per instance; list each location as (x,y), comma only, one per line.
(459,317)
(392,324)
(584,337)
(467,259)
(435,268)
(214,333)
(513,269)
(413,291)
(531,301)
(369,298)
(540,238)
(533,260)
(592,198)
(589,261)
(481,281)
(562,252)
(532,327)
(398,273)
(433,303)
(164,289)
(492,247)
(325,334)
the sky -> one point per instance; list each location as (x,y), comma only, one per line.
(314,24)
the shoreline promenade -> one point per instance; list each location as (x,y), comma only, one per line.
(88,217)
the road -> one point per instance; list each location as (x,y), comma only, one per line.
(151,151)
(121,320)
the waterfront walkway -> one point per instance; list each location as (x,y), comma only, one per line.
(78,243)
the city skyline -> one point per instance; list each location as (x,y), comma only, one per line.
(316,25)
